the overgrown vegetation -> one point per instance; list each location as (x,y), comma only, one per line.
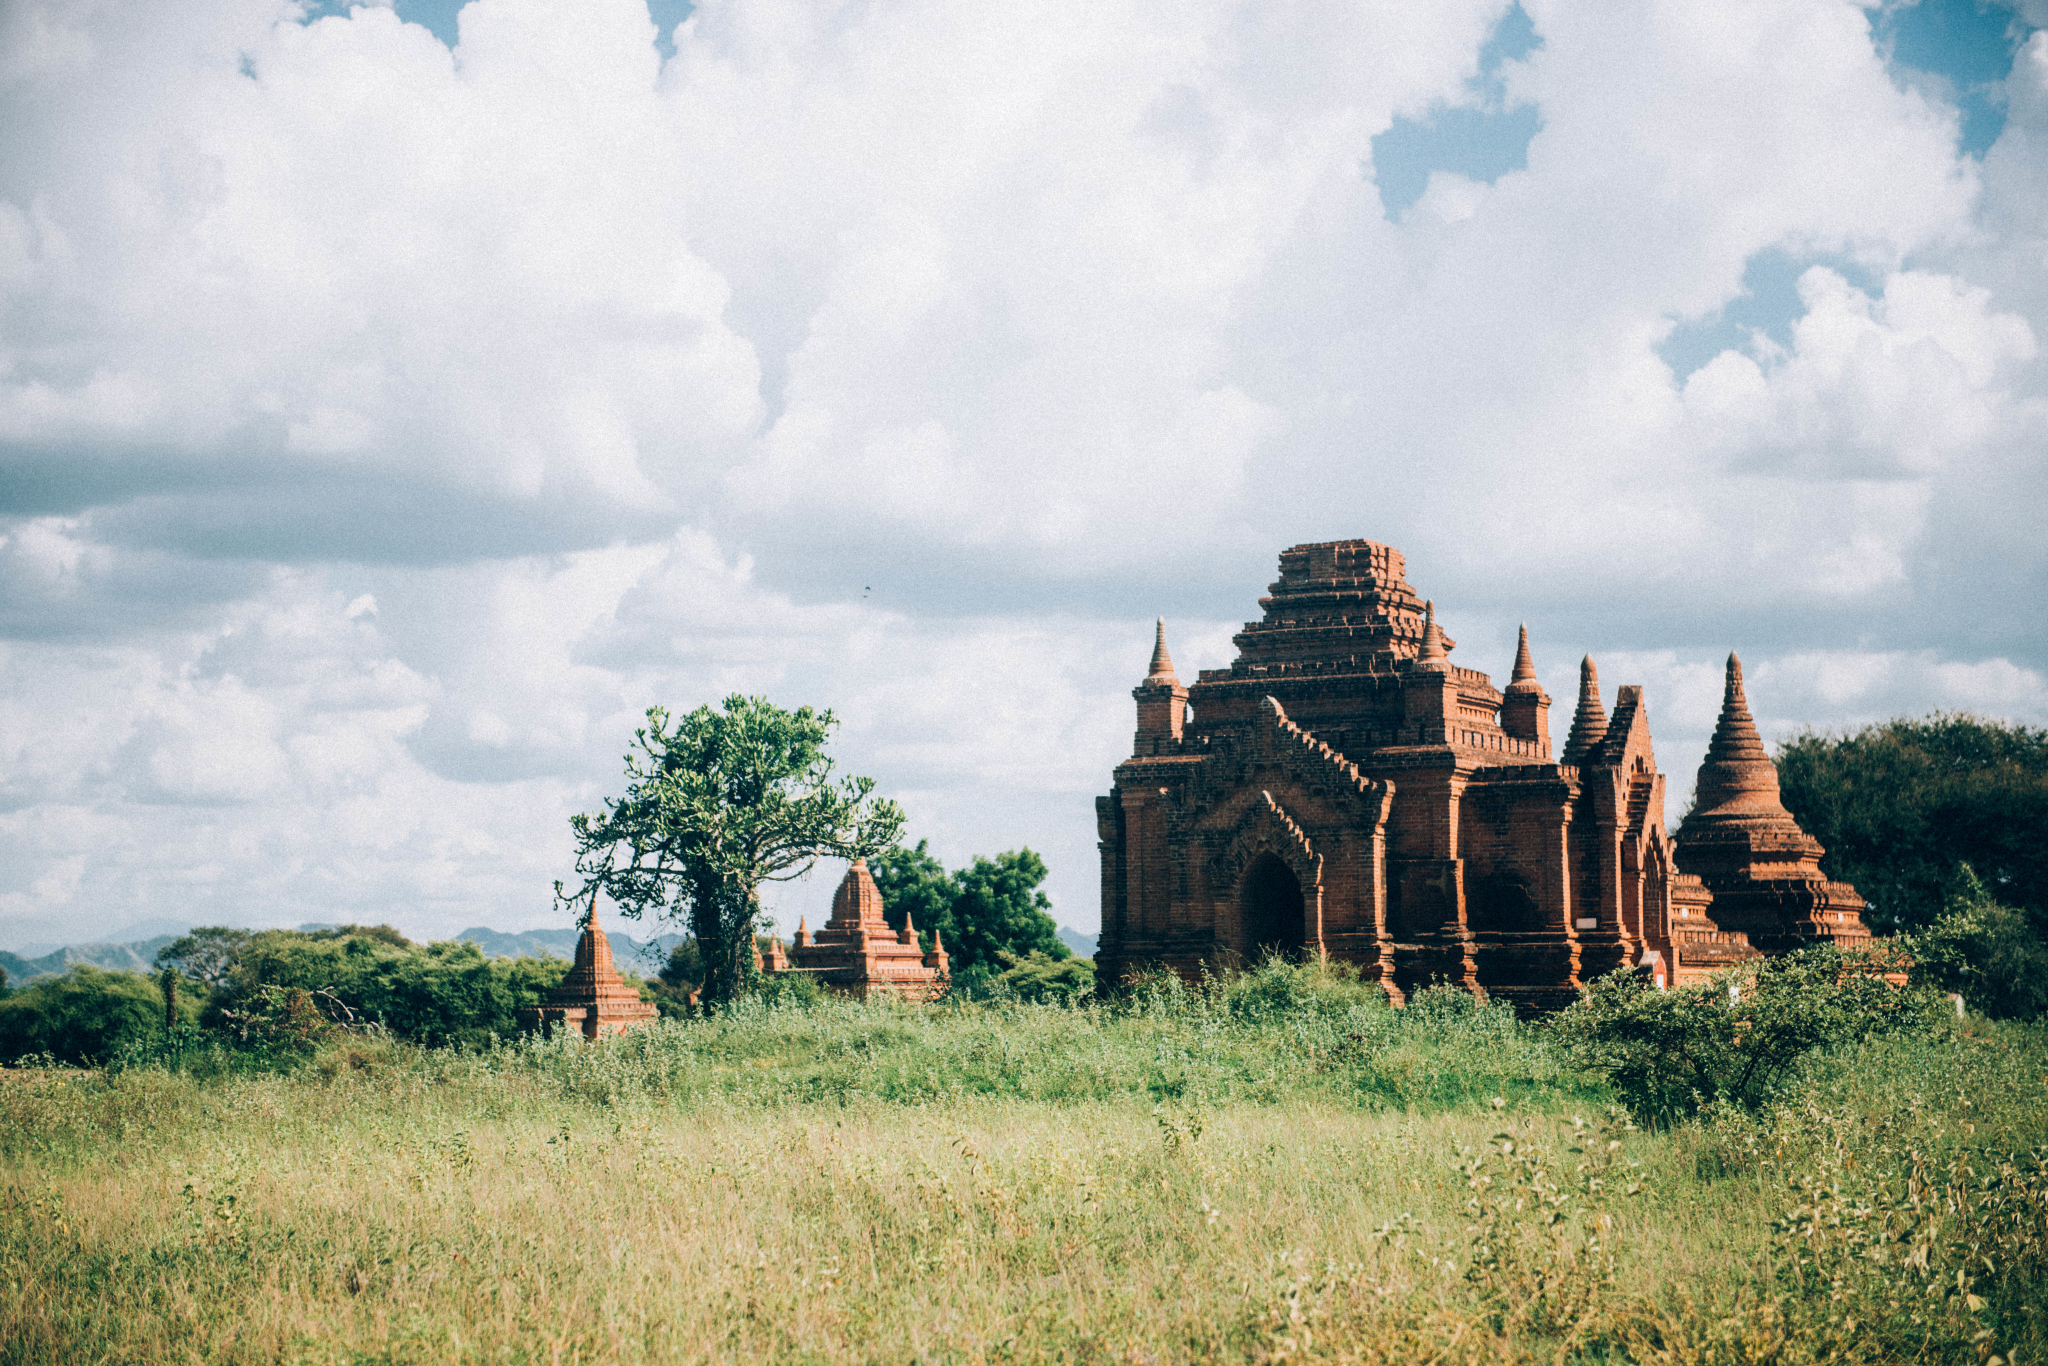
(1989,954)
(1269,1167)
(1732,1040)
(277,988)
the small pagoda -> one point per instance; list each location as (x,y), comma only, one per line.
(1749,851)
(593,999)
(858,953)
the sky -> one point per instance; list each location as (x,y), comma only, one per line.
(396,403)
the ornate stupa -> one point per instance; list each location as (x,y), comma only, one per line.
(1763,870)
(593,999)
(860,954)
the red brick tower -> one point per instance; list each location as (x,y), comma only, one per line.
(1763,870)
(593,997)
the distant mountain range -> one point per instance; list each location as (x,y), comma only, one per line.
(136,957)
(1083,945)
(643,958)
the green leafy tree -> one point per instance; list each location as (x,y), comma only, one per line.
(85,1016)
(991,913)
(721,802)
(1900,805)
(205,955)
(685,966)
(914,883)
(999,909)
(1732,1039)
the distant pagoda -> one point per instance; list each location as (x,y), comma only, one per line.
(858,953)
(593,998)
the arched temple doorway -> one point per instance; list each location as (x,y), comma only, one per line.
(1270,898)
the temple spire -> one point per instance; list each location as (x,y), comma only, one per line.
(1162,702)
(1524,708)
(1162,662)
(1738,777)
(1524,679)
(1433,656)
(1589,722)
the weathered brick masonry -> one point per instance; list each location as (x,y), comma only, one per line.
(1344,788)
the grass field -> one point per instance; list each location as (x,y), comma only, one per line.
(1281,1171)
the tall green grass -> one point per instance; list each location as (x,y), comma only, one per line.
(1273,1168)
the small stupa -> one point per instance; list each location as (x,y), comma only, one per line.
(593,999)
(1763,870)
(858,953)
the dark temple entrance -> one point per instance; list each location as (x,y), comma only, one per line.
(1271,900)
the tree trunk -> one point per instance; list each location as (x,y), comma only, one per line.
(723,917)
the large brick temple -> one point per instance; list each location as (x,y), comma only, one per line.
(1344,788)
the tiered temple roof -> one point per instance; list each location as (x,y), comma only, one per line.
(1342,606)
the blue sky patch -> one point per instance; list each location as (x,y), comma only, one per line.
(1769,303)
(1966,45)
(1482,140)
(438,17)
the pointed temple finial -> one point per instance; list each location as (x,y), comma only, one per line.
(1738,776)
(1589,722)
(1162,662)
(1524,679)
(1433,656)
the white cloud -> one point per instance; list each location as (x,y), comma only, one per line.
(383,429)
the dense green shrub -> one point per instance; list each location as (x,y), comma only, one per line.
(1277,989)
(1038,976)
(436,994)
(1035,976)
(1732,1039)
(1987,953)
(792,989)
(88,1015)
